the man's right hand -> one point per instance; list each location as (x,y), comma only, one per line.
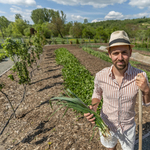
(89,116)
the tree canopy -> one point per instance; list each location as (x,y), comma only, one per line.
(41,15)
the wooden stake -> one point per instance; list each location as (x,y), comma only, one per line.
(140,119)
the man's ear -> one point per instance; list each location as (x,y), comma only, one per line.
(130,51)
(109,53)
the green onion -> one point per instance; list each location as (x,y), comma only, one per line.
(78,105)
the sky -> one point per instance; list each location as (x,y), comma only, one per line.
(78,10)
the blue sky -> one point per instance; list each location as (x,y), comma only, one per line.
(78,10)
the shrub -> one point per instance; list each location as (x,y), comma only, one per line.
(63,41)
(95,41)
(77,41)
(83,41)
(55,42)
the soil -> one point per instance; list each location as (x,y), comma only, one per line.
(33,129)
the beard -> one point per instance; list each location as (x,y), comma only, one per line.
(120,66)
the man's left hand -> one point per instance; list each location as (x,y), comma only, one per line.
(141,82)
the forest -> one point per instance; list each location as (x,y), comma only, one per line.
(54,24)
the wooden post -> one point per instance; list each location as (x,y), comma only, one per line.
(140,120)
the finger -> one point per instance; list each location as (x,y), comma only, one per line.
(140,75)
(86,114)
(89,117)
(90,107)
(91,120)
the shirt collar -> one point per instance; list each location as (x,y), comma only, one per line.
(128,71)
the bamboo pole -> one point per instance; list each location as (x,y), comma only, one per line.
(140,119)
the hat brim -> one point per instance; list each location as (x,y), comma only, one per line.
(119,44)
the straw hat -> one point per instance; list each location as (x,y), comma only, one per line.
(118,38)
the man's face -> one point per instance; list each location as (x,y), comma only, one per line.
(120,56)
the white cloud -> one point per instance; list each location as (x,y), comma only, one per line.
(39,6)
(78,17)
(94,3)
(19,2)
(96,20)
(26,13)
(112,15)
(140,3)
(140,15)
(2,12)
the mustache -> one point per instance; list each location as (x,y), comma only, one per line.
(120,61)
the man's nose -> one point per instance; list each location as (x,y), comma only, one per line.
(120,57)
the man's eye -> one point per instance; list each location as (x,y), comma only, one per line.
(124,52)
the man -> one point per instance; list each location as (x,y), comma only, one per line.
(118,85)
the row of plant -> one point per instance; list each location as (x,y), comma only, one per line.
(103,56)
(79,84)
(24,57)
(72,40)
(76,77)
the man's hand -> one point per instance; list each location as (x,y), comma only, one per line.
(89,116)
(141,82)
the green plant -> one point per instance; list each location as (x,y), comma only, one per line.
(76,77)
(77,41)
(62,41)
(73,101)
(95,40)
(83,41)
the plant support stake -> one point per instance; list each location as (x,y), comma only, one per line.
(140,119)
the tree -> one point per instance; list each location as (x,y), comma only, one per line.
(67,28)
(85,21)
(18,16)
(41,15)
(59,19)
(20,26)
(88,32)
(3,25)
(102,33)
(76,30)
(10,29)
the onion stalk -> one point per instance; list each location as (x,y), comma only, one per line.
(77,104)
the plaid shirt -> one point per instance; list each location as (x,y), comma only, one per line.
(118,102)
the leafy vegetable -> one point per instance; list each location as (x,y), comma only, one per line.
(77,104)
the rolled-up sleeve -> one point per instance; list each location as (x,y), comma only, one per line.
(145,75)
(97,92)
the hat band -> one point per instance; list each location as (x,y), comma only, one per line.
(119,40)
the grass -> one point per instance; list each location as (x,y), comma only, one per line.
(141,49)
(68,39)
(90,46)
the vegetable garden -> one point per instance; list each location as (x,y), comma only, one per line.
(33,129)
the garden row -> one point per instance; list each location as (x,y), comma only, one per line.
(76,77)
(23,60)
(103,56)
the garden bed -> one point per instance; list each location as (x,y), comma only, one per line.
(33,129)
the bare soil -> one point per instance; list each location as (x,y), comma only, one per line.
(33,129)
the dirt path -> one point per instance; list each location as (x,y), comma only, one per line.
(33,130)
